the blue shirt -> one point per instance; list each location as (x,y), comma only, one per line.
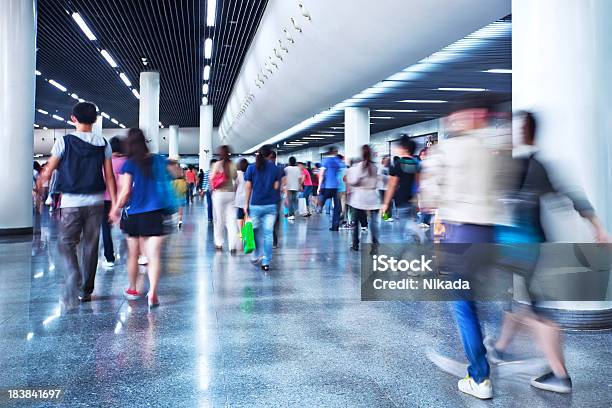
(332,166)
(144,196)
(263,192)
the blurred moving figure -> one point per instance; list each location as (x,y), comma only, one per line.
(206,187)
(240,199)
(403,177)
(307,183)
(223,176)
(459,178)
(81,158)
(362,178)
(180,188)
(262,186)
(192,178)
(328,184)
(118,160)
(279,204)
(292,186)
(145,193)
(533,183)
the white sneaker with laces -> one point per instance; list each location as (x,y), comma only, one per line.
(484,390)
(108,264)
(142,260)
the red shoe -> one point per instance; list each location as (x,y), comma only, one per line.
(131,294)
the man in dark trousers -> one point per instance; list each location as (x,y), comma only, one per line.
(80,158)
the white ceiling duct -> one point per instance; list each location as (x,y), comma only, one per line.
(345,47)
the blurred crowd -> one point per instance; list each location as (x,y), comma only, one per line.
(466,188)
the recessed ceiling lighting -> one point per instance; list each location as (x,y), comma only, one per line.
(125,79)
(122,126)
(74,96)
(37,72)
(381,117)
(337,127)
(322,135)
(136,93)
(463,89)
(205,101)
(205,89)
(45,128)
(115,121)
(105,115)
(313,138)
(498,71)
(58,85)
(36,126)
(208,48)
(44,112)
(207,72)
(58,117)
(81,23)
(108,58)
(211,12)
(397,110)
(422,101)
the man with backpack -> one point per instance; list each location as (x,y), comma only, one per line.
(80,158)
(402,180)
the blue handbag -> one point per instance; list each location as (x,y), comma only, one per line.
(163,184)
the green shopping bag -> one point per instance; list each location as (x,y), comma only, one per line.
(248,237)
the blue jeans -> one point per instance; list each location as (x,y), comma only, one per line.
(209,205)
(307,193)
(292,199)
(263,218)
(332,193)
(465,310)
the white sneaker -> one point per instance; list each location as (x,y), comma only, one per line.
(484,390)
(108,264)
(142,260)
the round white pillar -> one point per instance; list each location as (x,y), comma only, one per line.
(149,108)
(206,130)
(356,131)
(562,60)
(17,91)
(173,142)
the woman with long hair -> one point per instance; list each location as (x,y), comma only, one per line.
(145,207)
(223,178)
(262,185)
(363,178)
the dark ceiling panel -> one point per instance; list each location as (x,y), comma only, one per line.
(169,33)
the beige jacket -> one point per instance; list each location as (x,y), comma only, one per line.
(461,177)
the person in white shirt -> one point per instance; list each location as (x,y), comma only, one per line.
(293,185)
(363,178)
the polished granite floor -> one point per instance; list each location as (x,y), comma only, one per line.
(228,334)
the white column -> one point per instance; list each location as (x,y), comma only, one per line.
(173,142)
(149,108)
(356,131)
(97,127)
(562,60)
(17,90)
(206,129)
